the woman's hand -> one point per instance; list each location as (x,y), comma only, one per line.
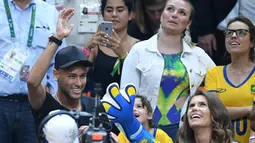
(63,29)
(117,45)
(99,38)
(103,39)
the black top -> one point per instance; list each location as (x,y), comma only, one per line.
(50,104)
(134,31)
(103,66)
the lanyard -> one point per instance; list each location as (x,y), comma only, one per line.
(11,26)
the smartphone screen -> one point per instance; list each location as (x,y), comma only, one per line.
(107,27)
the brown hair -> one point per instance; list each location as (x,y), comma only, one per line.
(221,124)
(146,103)
(251,31)
(141,16)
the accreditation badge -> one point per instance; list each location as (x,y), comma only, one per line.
(11,64)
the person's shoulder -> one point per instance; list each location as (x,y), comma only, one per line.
(88,102)
(160,131)
(49,100)
(216,69)
(44,6)
(142,45)
(134,40)
(122,138)
(203,57)
(197,49)
(87,98)
(162,136)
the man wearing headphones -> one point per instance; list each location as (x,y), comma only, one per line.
(70,72)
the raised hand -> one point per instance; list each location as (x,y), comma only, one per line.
(63,29)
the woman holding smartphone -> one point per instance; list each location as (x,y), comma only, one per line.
(106,51)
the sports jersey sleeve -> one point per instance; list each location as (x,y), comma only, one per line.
(162,137)
(122,138)
(211,80)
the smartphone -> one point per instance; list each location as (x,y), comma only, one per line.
(107,27)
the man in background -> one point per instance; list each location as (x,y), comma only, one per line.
(25,26)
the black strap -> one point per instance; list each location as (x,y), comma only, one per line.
(55,40)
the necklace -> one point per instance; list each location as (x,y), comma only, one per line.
(58,100)
(56,97)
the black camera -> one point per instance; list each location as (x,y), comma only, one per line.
(96,133)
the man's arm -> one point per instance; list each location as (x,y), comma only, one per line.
(52,85)
(203,21)
(204,25)
(36,91)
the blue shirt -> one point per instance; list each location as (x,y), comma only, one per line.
(45,24)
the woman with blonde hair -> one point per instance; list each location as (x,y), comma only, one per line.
(166,68)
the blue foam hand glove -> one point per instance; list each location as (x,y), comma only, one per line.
(118,105)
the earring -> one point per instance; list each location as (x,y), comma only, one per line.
(187,37)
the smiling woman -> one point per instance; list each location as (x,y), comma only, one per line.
(237,78)
(206,121)
(108,52)
(166,68)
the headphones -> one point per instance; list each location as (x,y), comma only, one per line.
(41,135)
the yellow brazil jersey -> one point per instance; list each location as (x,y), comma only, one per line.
(159,134)
(233,96)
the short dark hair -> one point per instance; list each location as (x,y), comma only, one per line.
(128,3)
(251,31)
(146,103)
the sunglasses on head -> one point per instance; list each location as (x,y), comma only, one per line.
(238,32)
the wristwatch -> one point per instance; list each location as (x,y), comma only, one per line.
(55,40)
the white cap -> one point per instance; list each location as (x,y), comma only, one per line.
(61,129)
